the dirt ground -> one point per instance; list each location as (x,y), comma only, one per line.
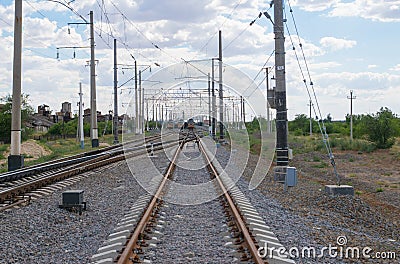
(369,218)
(375,176)
(30,149)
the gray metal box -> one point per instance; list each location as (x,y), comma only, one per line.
(271,98)
(291,176)
(72,197)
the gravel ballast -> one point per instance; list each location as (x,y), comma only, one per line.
(307,217)
(43,233)
(303,217)
(191,233)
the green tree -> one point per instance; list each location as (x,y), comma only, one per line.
(300,125)
(381,128)
(5,117)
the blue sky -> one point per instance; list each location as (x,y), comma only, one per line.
(349,45)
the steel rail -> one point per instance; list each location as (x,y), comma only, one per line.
(59,163)
(239,220)
(77,169)
(128,253)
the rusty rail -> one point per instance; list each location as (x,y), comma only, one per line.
(239,220)
(76,169)
(128,252)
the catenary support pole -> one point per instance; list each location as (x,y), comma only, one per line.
(136,123)
(81,133)
(15,159)
(269,130)
(214,110)
(140,103)
(310,118)
(280,93)
(115,121)
(209,101)
(93,110)
(244,112)
(221,93)
(142,88)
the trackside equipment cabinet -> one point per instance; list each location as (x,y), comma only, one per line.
(73,199)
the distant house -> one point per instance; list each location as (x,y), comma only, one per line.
(42,120)
(66,110)
(100,117)
(44,110)
(40,123)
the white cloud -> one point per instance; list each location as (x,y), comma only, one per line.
(325,65)
(395,68)
(182,29)
(335,44)
(314,5)
(384,11)
(372,66)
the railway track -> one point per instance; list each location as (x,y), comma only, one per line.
(16,187)
(149,233)
(63,162)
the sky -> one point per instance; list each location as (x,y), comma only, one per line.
(340,45)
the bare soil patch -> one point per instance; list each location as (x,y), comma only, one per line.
(31,150)
(370,218)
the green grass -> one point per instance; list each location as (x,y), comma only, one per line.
(60,148)
(379,190)
(316,159)
(321,165)
(3,148)
(306,144)
(355,144)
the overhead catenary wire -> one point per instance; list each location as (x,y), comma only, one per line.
(44,16)
(254,79)
(220,27)
(320,121)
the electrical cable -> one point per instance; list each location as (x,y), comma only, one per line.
(323,127)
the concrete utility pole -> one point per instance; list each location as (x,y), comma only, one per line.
(140,103)
(93,110)
(156,116)
(214,110)
(310,117)
(153,103)
(147,115)
(280,93)
(81,133)
(209,101)
(351,97)
(115,121)
(233,113)
(15,159)
(243,112)
(136,101)
(166,113)
(221,93)
(162,114)
(269,128)
(142,88)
